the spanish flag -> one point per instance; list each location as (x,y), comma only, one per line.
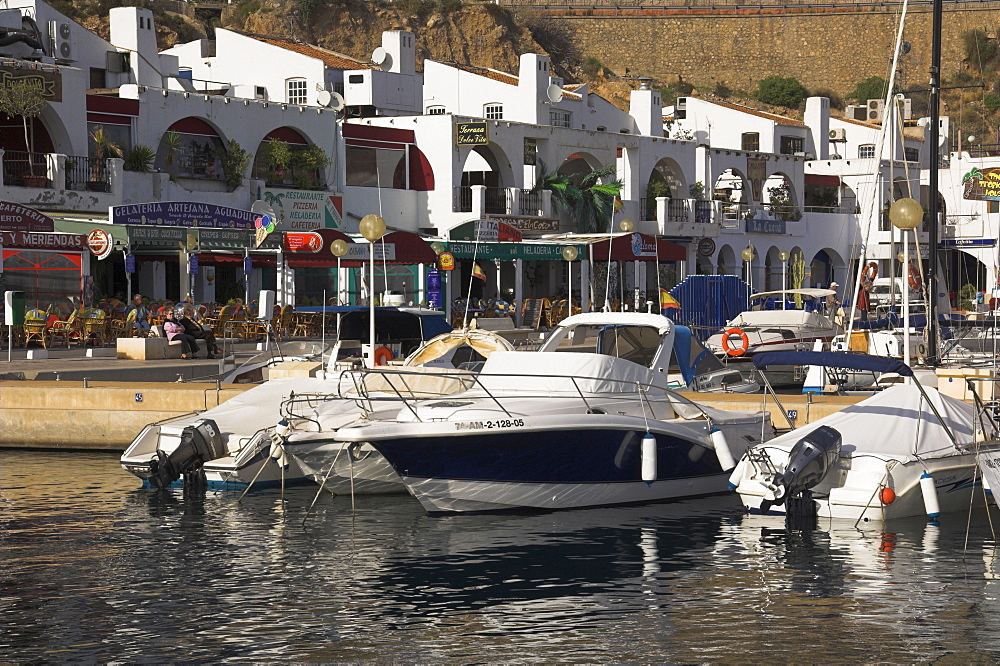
(617,205)
(668,301)
(477,272)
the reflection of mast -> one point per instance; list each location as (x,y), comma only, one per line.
(932,196)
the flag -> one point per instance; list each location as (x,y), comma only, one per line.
(668,301)
(477,272)
(617,204)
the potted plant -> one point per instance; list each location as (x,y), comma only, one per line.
(235,161)
(104,149)
(139,158)
(172,142)
(305,163)
(25,98)
(277,159)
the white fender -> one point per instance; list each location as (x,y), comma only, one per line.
(929,492)
(722,450)
(737,476)
(648,458)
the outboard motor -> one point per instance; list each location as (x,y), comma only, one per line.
(200,442)
(808,462)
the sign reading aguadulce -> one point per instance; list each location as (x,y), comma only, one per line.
(183,214)
(472,134)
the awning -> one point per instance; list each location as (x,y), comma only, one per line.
(638,247)
(819,179)
(410,248)
(219,259)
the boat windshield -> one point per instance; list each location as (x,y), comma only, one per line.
(638,344)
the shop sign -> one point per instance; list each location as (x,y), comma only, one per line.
(130,263)
(14,217)
(488,230)
(303,242)
(193,264)
(446,261)
(472,134)
(530,151)
(706,247)
(765,226)
(643,246)
(967,242)
(305,210)
(49,81)
(359,252)
(509,251)
(183,214)
(248,265)
(99,242)
(531,223)
(157,237)
(31,241)
(982,184)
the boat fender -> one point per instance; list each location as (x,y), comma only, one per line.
(735,351)
(737,476)
(277,443)
(929,491)
(722,450)
(648,455)
(887,496)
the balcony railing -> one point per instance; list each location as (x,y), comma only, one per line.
(497,200)
(463,199)
(529,202)
(87,174)
(26,169)
(678,210)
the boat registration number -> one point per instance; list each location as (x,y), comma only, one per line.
(489,425)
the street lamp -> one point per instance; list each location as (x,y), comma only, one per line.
(905,215)
(747,255)
(783,257)
(372,227)
(570,253)
(338,248)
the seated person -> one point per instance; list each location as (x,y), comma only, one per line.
(141,314)
(197,332)
(175,331)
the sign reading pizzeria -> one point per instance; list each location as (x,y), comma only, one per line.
(99,242)
(472,134)
(14,217)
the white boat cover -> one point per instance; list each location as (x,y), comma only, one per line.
(554,372)
(778,318)
(258,408)
(896,423)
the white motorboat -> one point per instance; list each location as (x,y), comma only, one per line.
(233,444)
(587,420)
(770,325)
(906,451)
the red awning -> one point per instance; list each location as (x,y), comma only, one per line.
(410,248)
(288,135)
(819,179)
(639,247)
(217,259)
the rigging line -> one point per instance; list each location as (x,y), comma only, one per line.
(472,273)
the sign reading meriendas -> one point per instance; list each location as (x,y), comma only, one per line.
(472,134)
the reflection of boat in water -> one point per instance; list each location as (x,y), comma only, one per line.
(585,421)
(905,451)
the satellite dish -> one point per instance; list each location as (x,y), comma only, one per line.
(554,93)
(904,48)
(337,102)
(323,98)
(382,58)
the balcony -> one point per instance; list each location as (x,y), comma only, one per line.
(60,182)
(479,200)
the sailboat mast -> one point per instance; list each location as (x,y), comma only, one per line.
(932,196)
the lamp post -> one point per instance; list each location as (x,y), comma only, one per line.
(747,255)
(783,257)
(626,225)
(372,227)
(569,253)
(338,248)
(905,215)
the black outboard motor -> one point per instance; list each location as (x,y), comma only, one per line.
(808,462)
(200,442)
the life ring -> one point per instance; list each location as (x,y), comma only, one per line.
(870,271)
(913,277)
(735,351)
(383,355)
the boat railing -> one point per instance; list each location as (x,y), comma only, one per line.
(987,416)
(404,393)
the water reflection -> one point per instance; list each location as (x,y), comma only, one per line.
(96,570)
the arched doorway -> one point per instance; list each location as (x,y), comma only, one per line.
(285,158)
(665,180)
(190,150)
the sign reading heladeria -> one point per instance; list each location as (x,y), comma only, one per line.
(14,217)
(183,214)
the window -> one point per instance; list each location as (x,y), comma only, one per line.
(911,154)
(559,118)
(866,151)
(356,78)
(376,167)
(493,111)
(260,92)
(993,206)
(98,77)
(435,111)
(296,89)
(790,145)
(751,141)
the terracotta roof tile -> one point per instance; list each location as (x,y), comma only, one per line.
(502,77)
(781,120)
(329,58)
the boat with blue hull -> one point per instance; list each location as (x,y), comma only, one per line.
(587,421)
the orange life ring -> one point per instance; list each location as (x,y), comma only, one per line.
(383,355)
(735,351)
(870,271)
(913,276)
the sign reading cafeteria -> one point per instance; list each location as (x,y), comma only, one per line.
(183,214)
(14,217)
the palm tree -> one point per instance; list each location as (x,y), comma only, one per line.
(583,198)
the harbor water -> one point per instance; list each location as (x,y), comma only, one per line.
(95,569)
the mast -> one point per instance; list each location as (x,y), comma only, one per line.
(932,197)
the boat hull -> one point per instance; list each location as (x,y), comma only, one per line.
(358,470)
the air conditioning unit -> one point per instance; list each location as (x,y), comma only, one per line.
(856,112)
(61,40)
(905,105)
(838,134)
(876,110)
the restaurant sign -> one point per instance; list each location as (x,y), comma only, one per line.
(548,224)
(359,252)
(14,217)
(303,242)
(183,214)
(40,241)
(305,210)
(510,251)
(154,237)
(472,134)
(48,80)
(982,184)
(487,230)
(765,226)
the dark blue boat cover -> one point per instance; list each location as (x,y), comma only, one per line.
(833,360)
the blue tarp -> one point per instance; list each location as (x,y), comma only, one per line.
(833,360)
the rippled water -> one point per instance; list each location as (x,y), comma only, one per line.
(94,569)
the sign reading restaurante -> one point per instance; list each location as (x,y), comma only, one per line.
(183,214)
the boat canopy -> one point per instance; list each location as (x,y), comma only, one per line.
(808,293)
(832,360)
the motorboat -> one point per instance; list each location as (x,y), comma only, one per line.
(694,367)
(588,420)
(906,451)
(786,320)
(234,444)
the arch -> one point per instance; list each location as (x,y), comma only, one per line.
(286,158)
(726,262)
(775,270)
(189,149)
(579,163)
(827,266)
(666,179)
(488,166)
(731,186)
(780,198)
